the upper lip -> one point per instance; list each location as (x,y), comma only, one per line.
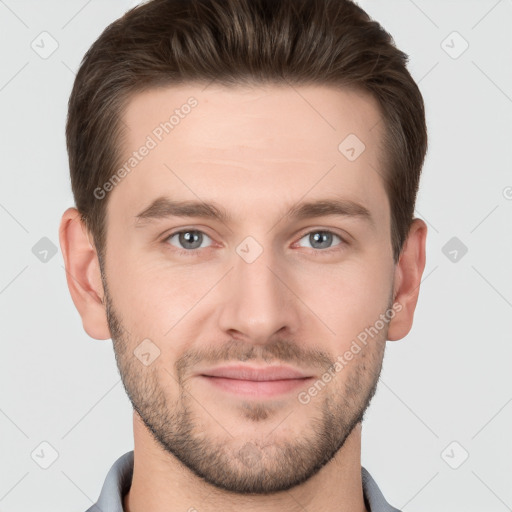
(255,373)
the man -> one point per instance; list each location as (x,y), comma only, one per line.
(245,174)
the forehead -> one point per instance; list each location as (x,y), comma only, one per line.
(250,144)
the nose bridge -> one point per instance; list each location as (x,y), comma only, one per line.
(257,303)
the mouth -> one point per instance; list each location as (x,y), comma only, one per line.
(258,382)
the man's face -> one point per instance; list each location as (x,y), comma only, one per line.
(256,288)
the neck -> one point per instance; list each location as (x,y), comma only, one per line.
(162,483)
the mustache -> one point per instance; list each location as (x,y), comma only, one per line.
(280,351)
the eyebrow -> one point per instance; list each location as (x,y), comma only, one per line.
(164,207)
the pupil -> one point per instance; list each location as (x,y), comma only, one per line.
(319,235)
(189,237)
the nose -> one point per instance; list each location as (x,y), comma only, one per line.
(258,301)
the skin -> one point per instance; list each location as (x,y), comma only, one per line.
(256,152)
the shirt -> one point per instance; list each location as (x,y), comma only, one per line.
(119,480)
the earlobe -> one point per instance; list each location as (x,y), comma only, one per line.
(409,270)
(83,274)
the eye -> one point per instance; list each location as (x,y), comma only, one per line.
(188,239)
(321,239)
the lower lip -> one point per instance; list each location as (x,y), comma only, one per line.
(260,389)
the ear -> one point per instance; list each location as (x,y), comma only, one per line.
(408,272)
(83,274)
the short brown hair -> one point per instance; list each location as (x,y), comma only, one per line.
(300,42)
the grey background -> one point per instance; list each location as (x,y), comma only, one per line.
(445,389)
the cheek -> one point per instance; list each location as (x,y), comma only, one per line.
(142,297)
(348,297)
(156,301)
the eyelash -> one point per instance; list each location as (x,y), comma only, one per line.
(195,252)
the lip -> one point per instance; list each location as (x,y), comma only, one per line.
(256,382)
(254,373)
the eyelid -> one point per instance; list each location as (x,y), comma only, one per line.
(201,229)
(344,239)
(192,252)
(172,233)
